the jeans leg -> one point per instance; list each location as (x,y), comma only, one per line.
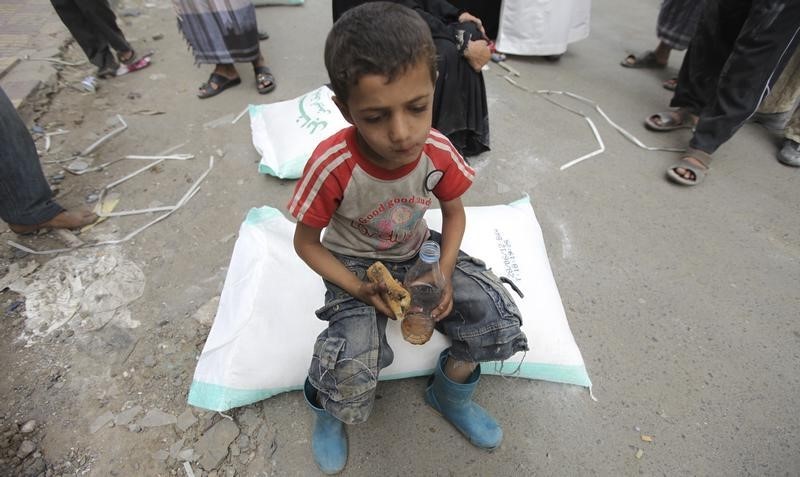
(25,195)
(763,47)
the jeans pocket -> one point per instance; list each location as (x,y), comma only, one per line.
(476,271)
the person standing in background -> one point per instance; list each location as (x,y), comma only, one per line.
(782,103)
(677,22)
(542,28)
(94,26)
(221,33)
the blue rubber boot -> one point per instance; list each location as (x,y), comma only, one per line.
(328,442)
(454,401)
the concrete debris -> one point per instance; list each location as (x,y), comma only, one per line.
(125,417)
(101,421)
(160,455)
(96,284)
(213,445)
(28,427)
(185,420)
(157,418)
(134,428)
(149,361)
(175,448)
(25,449)
(186,454)
(15,273)
(206,313)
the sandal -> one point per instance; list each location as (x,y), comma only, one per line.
(130,59)
(698,171)
(646,59)
(671,120)
(265,81)
(670,84)
(222,83)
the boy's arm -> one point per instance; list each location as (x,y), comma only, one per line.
(454,221)
(321,260)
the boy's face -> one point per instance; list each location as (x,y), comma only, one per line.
(393,119)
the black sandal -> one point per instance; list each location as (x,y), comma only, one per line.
(130,59)
(264,75)
(222,83)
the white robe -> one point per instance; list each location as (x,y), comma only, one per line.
(542,27)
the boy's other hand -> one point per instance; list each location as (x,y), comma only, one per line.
(477,54)
(370,293)
(445,306)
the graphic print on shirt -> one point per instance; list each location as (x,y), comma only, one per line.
(393,221)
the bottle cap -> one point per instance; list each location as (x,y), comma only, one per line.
(429,252)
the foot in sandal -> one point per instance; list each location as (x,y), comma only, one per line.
(671,120)
(691,169)
(68,219)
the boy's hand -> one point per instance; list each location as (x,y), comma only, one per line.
(445,306)
(370,293)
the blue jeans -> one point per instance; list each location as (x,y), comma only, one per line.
(348,356)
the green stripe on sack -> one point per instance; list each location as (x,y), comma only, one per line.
(291,169)
(221,398)
(559,373)
(256,215)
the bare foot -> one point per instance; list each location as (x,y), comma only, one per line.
(69,219)
(686,173)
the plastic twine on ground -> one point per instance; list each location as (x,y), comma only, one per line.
(546,93)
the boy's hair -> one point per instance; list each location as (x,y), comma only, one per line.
(380,38)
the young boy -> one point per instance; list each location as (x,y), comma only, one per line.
(370,185)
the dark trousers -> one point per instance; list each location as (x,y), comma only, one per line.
(94,26)
(25,196)
(737,54)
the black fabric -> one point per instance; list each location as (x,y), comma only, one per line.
(25,196)
(460,110)
(94,26)
(737,54)
(487,10)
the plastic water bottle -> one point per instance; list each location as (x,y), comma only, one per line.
(425,282)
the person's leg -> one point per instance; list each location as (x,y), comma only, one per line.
(93,45)
(484,326)
(764,45)
(784,95)
(104,22)
(708,52)
(26,201)
(344,369)
(790,152)
(677,22)
(223,77)
(265,80)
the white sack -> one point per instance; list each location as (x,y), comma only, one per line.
(286,133)
(542,27)
(263,336)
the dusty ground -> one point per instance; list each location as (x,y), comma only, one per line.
(683,302)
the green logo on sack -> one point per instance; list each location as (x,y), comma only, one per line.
(312,110)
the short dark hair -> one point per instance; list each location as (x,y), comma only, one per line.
(380,38)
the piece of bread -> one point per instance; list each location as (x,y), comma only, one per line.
(396,296)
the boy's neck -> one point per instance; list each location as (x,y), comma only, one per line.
(372,157)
